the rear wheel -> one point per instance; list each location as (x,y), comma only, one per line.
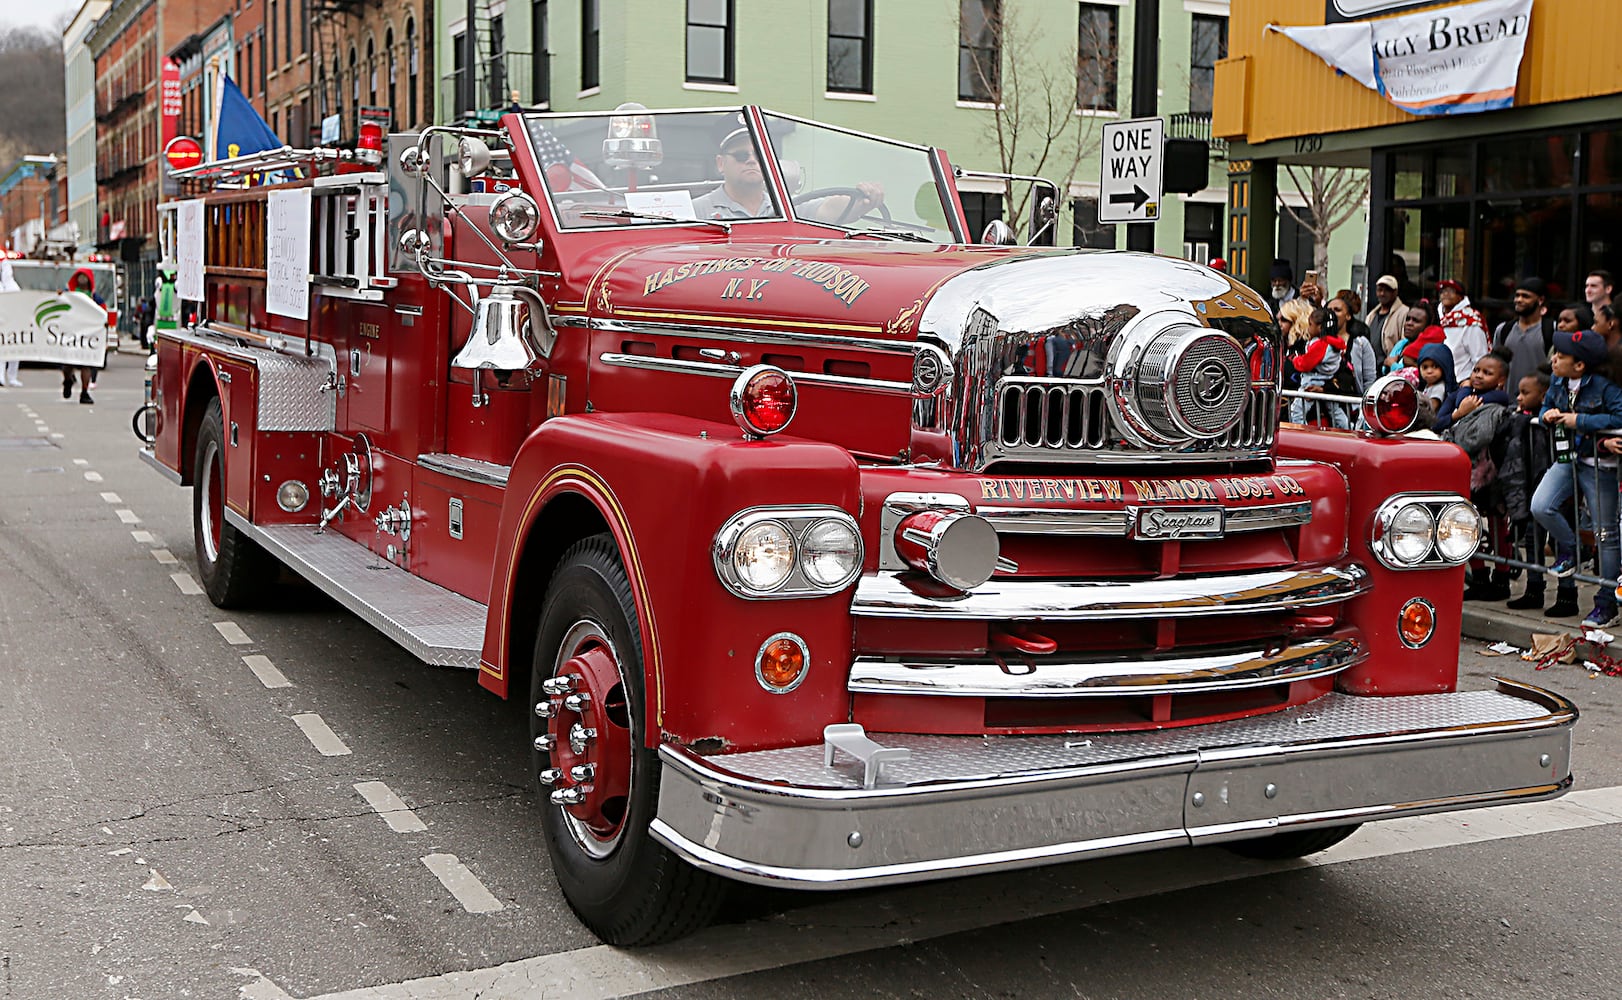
(600,781)
(235,571)
(1292,843)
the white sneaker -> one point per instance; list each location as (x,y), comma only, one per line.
(17,382)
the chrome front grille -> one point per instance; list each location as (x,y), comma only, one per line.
(1054,415)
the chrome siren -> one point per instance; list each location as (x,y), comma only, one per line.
(1176,381)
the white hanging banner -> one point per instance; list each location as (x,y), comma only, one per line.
(1443,61)
(287,254)
(189,250)
(59,328)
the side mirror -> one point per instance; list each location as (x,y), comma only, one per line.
(1044,211)
(998,234)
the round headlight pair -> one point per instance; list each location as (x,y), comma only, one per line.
(1414,530)
(788,554)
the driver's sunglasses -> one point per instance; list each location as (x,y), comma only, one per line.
(742,155)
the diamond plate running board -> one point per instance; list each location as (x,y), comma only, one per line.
(435,625)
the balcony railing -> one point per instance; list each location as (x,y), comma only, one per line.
(1196,125)
(526,72)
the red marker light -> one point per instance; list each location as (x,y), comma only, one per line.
(371,136)
(763,400)
(182,152)
(1391,405)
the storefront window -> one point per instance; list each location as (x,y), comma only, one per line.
(1408,176)
(1602,164)
(1519,237)
(1455,170)
(1600,245)
(1527,164)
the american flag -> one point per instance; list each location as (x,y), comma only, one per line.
(563,170)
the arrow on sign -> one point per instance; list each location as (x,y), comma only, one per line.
(1138,198)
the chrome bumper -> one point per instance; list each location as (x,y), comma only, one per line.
(967,805)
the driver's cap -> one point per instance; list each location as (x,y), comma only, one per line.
(732,138)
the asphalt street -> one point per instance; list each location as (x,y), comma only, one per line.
(281,803)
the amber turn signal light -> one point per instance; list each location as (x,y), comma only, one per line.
(782,663)
(1417,623)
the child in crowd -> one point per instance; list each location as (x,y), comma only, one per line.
(1319,363)
(1435,374)
(1579,402)
(1526,458)
(1472,417)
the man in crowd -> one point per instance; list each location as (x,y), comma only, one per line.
(1281,281)
(1529,334)
(1598,288)
(1385,320)
(1466,330)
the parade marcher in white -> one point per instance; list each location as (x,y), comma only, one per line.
(1466,330)
(8,283)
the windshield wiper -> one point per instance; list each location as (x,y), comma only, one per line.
(889,234)
(625,213)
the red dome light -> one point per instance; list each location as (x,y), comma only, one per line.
(763,400)
(1391,405)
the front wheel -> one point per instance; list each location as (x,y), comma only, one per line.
(235,571)
(1292,843)
(599,779)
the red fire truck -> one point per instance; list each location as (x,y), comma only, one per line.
(824,547)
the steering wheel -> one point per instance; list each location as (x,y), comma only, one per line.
(855,196)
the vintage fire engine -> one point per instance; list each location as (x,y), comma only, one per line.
(823,547)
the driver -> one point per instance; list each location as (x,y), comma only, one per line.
(743,193)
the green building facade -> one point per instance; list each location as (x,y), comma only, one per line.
(926,71)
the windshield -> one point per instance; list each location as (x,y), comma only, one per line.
(642,167)
(858,181)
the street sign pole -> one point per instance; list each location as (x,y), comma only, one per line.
(1145,103)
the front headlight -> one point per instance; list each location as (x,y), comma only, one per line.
(764,556)
(1410,534)
(831,553)
(1458,532)
(773,553)
(514,216)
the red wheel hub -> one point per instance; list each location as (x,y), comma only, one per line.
(591,751)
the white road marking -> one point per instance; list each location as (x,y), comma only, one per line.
(165,557)
(845,926)
(389,805)
(92,477)
(266,671)
(196,918)
(57,435)
(127,516)
(463,884)
(81,461)
(157,883)
(112,498)
(144,537)
(232,633)
(321,735)
(187,585)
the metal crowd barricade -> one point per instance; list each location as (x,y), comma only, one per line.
(1578,505)
(1317,413)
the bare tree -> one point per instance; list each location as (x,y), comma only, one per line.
(33,117)
(1333,195)
(1034,100)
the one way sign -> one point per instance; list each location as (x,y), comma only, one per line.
(1131,164)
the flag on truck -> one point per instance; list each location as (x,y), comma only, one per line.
(237,129)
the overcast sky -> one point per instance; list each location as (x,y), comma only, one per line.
(36,13)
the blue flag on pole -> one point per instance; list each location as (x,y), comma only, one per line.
(238,129)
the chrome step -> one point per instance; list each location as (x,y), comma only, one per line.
(435,625)
(1053,677)
(905,595)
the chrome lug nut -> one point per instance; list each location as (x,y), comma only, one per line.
(551,776)
(568,797)
(583,772)
(560,685)
(577,703)
(545,743)
(579,736)
(546,709)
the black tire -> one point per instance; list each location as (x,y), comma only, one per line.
(235,572)
(628,890)
(1292,843)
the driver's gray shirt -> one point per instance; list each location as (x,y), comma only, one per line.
(718,205)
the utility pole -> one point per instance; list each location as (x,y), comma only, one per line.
(1145,94)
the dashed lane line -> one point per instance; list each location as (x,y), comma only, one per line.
(187,585)
(144,537)
(127,516)
(320,735)
(92,477)
(57,435)
(388,805)
(112,498)
(165,557)
(845,926)
(462,883)
(81,461)
(232,633)
(266,671)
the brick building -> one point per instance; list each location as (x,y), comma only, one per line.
(33,199)
(369,53)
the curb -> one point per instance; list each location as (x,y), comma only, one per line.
(1491,622)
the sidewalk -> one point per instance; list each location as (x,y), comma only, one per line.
(1490,621)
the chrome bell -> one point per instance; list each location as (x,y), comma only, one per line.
(498,339)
